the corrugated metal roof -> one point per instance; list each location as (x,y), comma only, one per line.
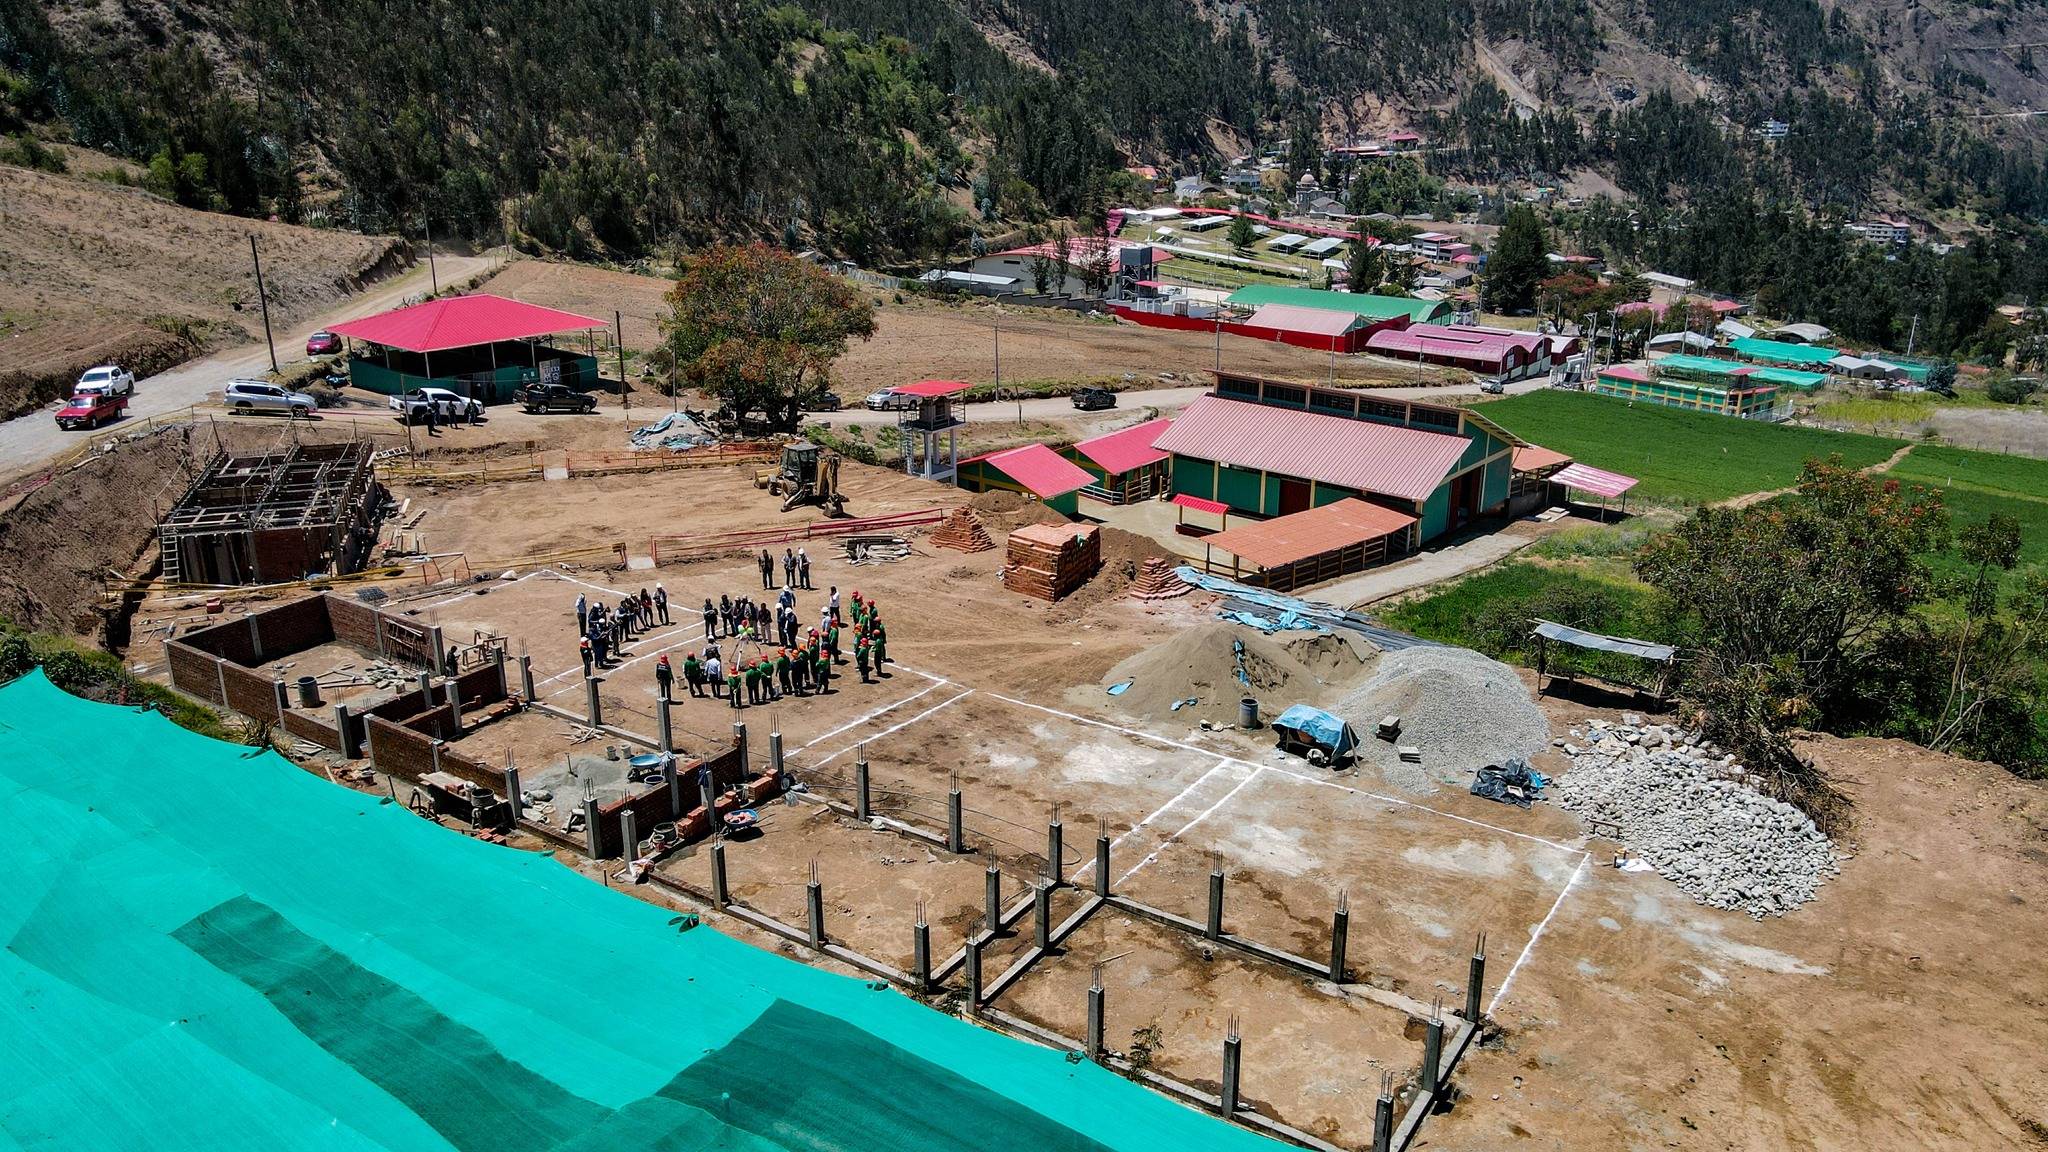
(1594,480)
(1300,535)
(1380,458)
(1314,321)
(1624,372)
(1043,472)
(463,321)
(1455,340)
(1779,352)
(1212,507)
(1531,458)
(1127,449)
(1594,640)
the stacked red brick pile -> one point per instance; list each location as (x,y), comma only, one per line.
(1156,581)
(963,533)
(1049,561)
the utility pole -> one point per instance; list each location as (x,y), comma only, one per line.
(1913,335)
(619,326)
(263,298)
(433,277)
(1219,341)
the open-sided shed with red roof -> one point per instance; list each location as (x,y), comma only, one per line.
(1303,548)
(478,345)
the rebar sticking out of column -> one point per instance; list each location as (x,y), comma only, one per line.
(707,795)
(1383,1115)
(1055,848)
(1475,982)
(814,902)
(1214,929)
(1340,932)
(1432,1048)
(662,725)
(1041,914)
(992,892)
(590,827)
(675,787)
(921,953)
(721,892)
(526,677)
(775,753)
(592,704)
(739,741)
(974,945)
(1095,1012)
(862,808)
(1233,1053)
(956,825)
(1101,858)
(512,788)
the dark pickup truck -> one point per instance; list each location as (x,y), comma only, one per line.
(554,398)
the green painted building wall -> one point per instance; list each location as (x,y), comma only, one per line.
(982,476)
(1436,513)
(492,387)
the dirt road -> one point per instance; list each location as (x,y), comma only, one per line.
(32,440)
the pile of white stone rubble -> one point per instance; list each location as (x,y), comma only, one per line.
(1684,807)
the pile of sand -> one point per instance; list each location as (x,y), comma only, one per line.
(1302,668)
(1122,554)
(1004,512)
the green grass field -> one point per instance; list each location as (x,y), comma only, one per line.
(1680,457)
(1980,483)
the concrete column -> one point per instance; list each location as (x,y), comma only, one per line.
(707,795)
(721,894)
(992,894)
(675,789)
(440,646)
(1214,929)
(454,704)
(1340,931)
(1432,1054)
(344,727)
(814,905)
(1475,983)
(284,699)
(590,827)
(512,792)
(921,954)
(1102,864)
(426,680)
(862,804)
(526,677)
(629,836)
(775,753)
(739,741)
(661,724)
(1095,1013)
(974,944)
(1383,1123)
(956,825)
(1233,1055)
(1055,849)
(434,749)
(1041,915)
(504,682)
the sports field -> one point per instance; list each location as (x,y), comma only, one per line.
(1680,457)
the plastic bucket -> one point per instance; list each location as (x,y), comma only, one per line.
(1247,712)
(309,692)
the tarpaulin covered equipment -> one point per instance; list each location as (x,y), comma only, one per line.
(1315,726)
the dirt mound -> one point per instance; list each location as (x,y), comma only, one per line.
(1202,662)
(1460,708)
(1122,555)
(1005,512)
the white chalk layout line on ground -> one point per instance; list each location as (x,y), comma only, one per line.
(1183,794)
(1530,947)
(889,731)
(1142,735)
(663,642)
(467,595)
(886,708)
(1190,825)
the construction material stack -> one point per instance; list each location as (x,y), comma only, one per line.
(1049,561)
(963,532)
(1156,581)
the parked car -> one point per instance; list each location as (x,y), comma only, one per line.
(90,410)
(447,405)
(1493,387)
(107,379)
(246,397)
(826,402)
(1094,399)
(889,400)
(554,398)
(323,344)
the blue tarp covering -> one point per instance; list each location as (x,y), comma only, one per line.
(1329,731)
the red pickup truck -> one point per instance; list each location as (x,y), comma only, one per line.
(90,410)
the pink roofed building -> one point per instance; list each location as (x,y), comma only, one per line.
(1504,353)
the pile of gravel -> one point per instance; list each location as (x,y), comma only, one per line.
(1462,710)
(1686,810)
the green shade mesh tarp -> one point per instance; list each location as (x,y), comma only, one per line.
(209,949)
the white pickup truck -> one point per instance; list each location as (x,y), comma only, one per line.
(448,407)
(105,380)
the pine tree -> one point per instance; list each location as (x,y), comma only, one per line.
(1520,261)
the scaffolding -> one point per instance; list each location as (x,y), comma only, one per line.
(297,511)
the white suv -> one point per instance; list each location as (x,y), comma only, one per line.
(107,380)
(447,406)
(247,396)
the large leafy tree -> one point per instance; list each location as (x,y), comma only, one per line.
(759,329)
(1519,264)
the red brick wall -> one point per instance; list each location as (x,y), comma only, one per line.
(252,695)
(480,687)
(230,639)
(399,752)
(193,672)
(307,726)
(289,628)
(353,622)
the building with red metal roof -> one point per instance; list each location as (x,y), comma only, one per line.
(479,345)
(1125,465)
(1033,470)
(1504,353)
(1301,548)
